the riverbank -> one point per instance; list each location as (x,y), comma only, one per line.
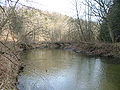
(98,49)
(10,65)
(92,49)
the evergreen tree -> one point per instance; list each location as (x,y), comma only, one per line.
(114,18)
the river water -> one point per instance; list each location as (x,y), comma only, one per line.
(54,69)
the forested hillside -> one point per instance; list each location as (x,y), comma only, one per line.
(33,25)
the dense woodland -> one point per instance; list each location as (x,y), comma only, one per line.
(25,24)
(31,25)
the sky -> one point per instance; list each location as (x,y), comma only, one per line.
(65,7)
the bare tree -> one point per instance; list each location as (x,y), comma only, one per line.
(80,29)
(100,9)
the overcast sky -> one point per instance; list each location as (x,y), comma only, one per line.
(65,7)
(61,6)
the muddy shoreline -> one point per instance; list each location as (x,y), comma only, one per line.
(9,73)
(10,66)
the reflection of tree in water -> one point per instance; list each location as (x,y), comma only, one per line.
(47,61)
(64,70)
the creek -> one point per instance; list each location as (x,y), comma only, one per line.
(55,69)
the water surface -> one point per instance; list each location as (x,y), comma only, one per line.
(53,69)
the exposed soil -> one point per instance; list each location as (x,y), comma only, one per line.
(10,65)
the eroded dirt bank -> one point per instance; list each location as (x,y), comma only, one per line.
(10,66)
